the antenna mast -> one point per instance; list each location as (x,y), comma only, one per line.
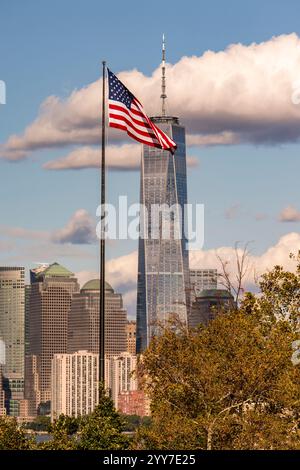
(163,77)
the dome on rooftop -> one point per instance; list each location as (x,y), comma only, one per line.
(94,284)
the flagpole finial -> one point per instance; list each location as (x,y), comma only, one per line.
(163,77)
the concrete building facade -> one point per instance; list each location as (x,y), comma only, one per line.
(74,390)
(83,332)
(52,288)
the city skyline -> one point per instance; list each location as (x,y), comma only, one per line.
(224,160)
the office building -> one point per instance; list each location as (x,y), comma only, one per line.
(74,390)
(119,375)
(134,402)
(83,332)
(208,304)
(52,288)
(12,319)
(202,279)
(2,394)
(163,264)
(131,337)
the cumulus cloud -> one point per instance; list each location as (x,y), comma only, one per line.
(289,214)
(119,157)
(126,156)
(122,271)
(240,95)
(275,255)
(80,230)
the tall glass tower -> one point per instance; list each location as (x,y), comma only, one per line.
(12,320)
(163,266)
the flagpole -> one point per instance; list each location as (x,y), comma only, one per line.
(102,242)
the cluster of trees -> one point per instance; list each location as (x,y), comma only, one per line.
(230,385)
(234,384)
(101,430)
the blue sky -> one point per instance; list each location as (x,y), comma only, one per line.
(52,48)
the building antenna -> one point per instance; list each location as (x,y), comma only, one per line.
(163,77)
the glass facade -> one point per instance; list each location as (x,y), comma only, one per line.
(163,268)
(12,318)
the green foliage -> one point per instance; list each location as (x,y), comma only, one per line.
(231,385)
(133,422)
(41,423)
(12,436)
(103,429)
(62,432)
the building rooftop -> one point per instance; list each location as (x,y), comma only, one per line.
(219,293)
(54,270)
(94,284)
(165,119)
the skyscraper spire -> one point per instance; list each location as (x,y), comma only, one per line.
(163,77)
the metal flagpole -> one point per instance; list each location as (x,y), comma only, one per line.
(102,241)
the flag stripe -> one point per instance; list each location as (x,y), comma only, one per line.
(134,114)
(127,113)
(143,141)
(133,132)
(114,113)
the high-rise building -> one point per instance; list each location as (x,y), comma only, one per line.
(52,288)
(208,304)
(134,402)
(202,279)
(2,394)
(12,314)
(83,332)
(27,319)
(131,337)
(119,375)
(74,384)
(163,264)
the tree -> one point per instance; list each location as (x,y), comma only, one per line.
(102,429)
(232,384)
(63,434)
(41,423)
(133,422)
(12,436)
(233,279)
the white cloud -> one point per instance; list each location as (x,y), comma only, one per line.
(289,214)
(125,156)
(80,229)
(85,276)
(241,94)
(119,157)
(275,255)
(121,272)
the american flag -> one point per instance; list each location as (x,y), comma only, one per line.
(127,113)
